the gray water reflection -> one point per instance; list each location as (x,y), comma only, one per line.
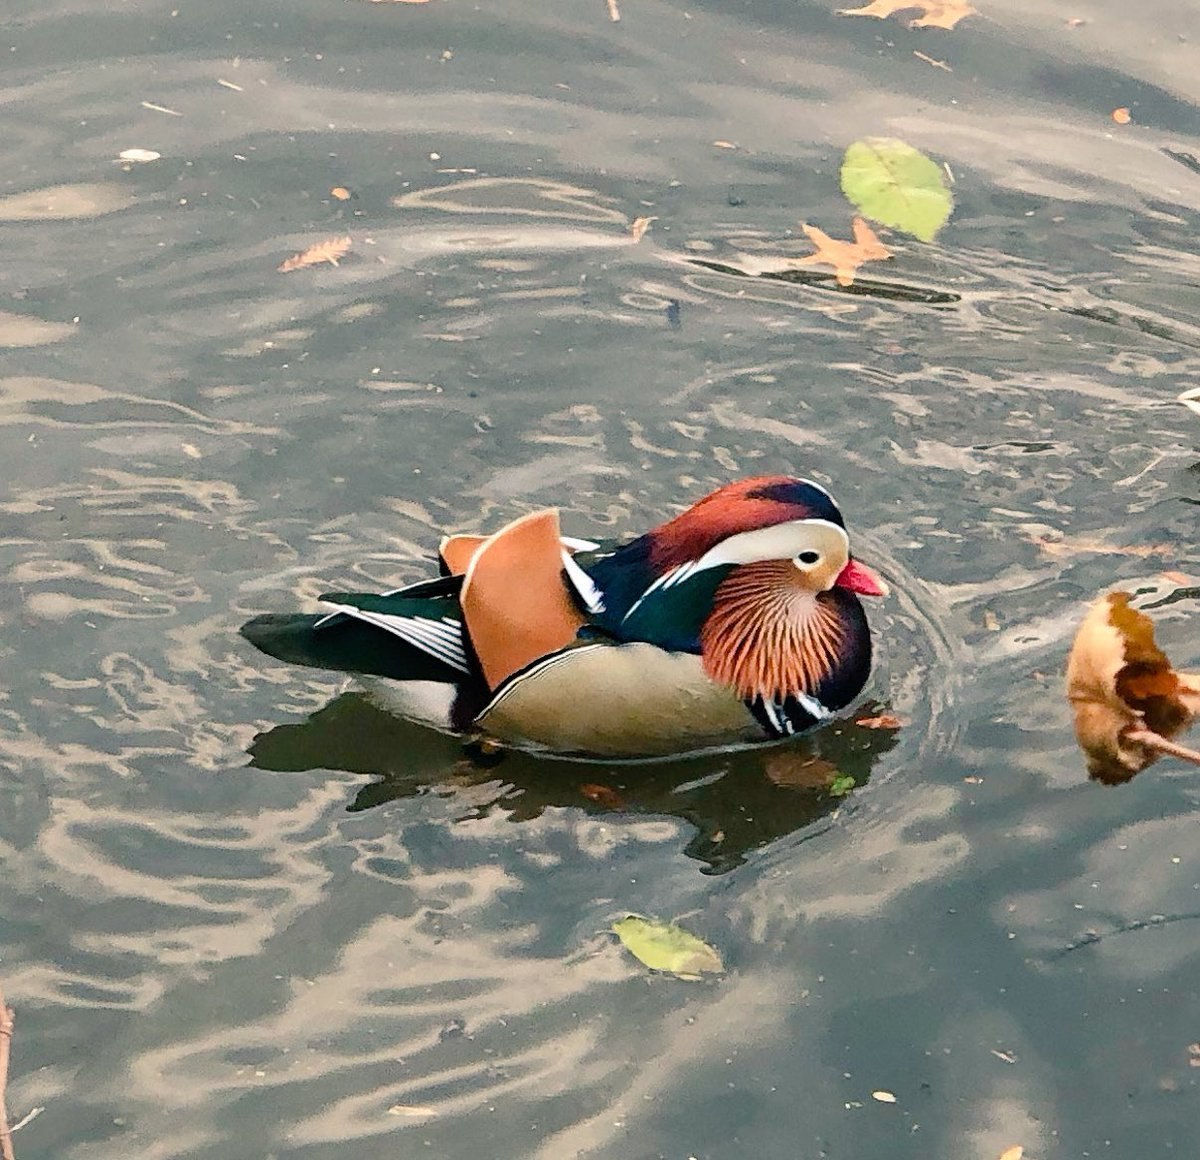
(214,955)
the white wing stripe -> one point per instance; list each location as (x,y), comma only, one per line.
(575,544)
(432,638)
(442,639)
(661,582)
(589,593)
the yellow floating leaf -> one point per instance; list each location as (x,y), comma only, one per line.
(1013,1153)
(663,946)
(1122,116)
(844,257)
(340,192)
(332,250)
(884,1097)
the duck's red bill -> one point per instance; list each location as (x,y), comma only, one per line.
(859,578)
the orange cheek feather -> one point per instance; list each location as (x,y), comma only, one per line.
(768,635)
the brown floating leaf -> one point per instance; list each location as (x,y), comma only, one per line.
(934,13)
(883,721)
(1121,116)
(844,257)
(332,250)
(1127,699)
(639,226)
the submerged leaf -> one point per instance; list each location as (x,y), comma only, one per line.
(332,250)
(893,183)
(798,770)
(663,946)
(602,795)
(1124,692)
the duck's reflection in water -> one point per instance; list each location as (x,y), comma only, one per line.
(737,801)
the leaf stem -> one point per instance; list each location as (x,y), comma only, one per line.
(1157,741)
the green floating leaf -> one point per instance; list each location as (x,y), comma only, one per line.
(663,946)
(841,785)
(897,185)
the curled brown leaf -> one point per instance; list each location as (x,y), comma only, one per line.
(1127,699)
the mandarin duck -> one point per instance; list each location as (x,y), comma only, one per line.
(735,622)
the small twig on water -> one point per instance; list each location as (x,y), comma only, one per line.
(1157,741)
(614,13)
(6,1030)
(1092,937)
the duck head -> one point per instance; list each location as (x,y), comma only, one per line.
(758,578)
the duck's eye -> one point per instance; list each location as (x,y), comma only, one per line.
(809,557)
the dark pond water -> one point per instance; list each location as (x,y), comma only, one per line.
(243,914)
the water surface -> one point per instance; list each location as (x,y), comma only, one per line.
(242,914)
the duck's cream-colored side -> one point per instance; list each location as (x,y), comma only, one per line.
(619,701)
